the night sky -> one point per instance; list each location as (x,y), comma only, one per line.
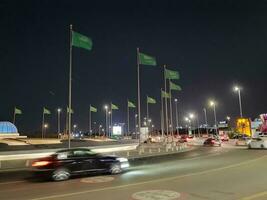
(213,44)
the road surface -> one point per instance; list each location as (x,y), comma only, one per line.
(207,173)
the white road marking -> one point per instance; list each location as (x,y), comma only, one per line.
(97,179)
(255,196)
(11,182)
(156,194)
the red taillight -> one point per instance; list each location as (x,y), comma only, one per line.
(40,163)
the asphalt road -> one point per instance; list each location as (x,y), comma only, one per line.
(206,173)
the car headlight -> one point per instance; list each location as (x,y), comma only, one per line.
(122,159)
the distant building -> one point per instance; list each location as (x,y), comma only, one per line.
(8,130)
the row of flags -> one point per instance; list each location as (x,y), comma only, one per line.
(82,41)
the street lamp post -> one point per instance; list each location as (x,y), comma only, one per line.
(213,104)
(109,123)
(189,124)
(192,116)
(58,121)
(107,127)
(45,127)
(135,117)
(206,120)
(74,127)
(238,90)
(99,129)
(176,116)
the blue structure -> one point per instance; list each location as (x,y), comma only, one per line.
(7,127)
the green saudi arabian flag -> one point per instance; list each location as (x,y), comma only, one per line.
(170,74)
(81,41)
(165,94)
(150,100)
(147,60)
(46,111)
(68,110)
(173,86)
(93,109)
(114,107)
(17,111)
(131,104)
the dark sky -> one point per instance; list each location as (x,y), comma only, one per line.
(213,44)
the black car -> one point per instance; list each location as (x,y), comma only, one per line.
(65,163)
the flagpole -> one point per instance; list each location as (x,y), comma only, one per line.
(14,116)
(128,126)
(162,114)
(70,79)
(111,119)
(66,126)
(90,120)
(43,125)
(170,92)
(166,107)
(138,95)
(147,113)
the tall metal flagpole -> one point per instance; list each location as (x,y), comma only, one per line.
(66,126)
(90,120)
(138,94)
(14,116)
(176,116)
(110,119)
(147,113)
(170,92)
(166,107)
(128,125)
(162,114)
(70,77)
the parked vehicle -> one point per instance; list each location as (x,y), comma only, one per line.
(66,163)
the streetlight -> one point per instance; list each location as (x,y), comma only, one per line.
(107,126)
(228,118)
(136,126)
(99,129)
(189,121)
(45,127)
(206,120)
(58,120)
(74,127)
(176,116)
(213,104)
(238,89)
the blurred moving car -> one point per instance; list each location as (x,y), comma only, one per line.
(224,137)
(212,142)
(258,143)
(77,135)
(65,163)
(183,139)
